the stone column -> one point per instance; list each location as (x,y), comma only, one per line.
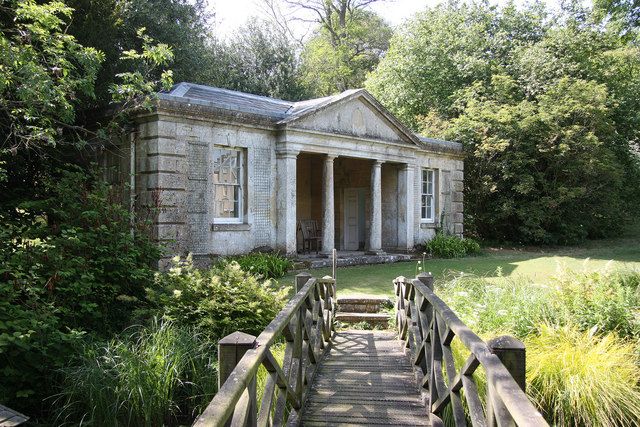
(406,206)
(328,213)
(375,231)
(286,202)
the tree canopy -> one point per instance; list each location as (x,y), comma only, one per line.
(545,106)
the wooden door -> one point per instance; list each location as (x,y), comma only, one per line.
(351,223)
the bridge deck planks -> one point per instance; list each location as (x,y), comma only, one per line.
(365,379)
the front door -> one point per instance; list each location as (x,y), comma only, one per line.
(351,229)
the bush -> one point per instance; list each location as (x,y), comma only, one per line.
(159,375)
(506,306)
(219,301)
(450,246)
(69,266)
(264,265)
(581,379)
(606,301)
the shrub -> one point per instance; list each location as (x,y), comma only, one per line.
(581,379)
(264,265)
(69,266)
(219,301)
(606,301)
(159,375)
(450,246)
(507,306)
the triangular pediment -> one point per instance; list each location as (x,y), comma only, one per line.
(354,113)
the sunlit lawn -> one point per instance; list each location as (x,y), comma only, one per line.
(534,263)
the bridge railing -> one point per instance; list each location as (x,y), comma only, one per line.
(429,327)
(305,325)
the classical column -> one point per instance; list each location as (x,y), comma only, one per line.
(286,201)
(328,214)
(375,231)
(406,206)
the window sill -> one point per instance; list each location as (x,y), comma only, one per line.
(427,225)
(230,227)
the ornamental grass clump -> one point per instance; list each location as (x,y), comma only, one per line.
(162,374)
(578,378)
(264,265)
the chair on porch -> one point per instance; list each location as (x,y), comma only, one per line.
(310,234)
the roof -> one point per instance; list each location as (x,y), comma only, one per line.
(281,112)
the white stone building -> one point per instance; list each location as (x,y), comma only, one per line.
(228,172)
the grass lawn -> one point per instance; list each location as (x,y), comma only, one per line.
(533,263)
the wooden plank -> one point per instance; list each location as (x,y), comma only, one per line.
(365,379)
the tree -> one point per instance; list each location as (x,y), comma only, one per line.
(347,42)
(331,63)
(547,111)
(445,49)
(539,171)
(261,60)
(44,74)
(111,26)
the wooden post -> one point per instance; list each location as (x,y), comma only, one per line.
(334,263)
(512,353)
(301,280)
(427,279)
(230,350)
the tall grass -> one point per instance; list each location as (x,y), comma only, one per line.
(581,379)
(582,335)
(157,375)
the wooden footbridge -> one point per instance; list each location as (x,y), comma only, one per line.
(433,371)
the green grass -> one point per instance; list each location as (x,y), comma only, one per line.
(536,264)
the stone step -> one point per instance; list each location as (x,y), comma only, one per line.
(363,304)
(373,319)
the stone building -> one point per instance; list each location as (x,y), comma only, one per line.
(230,172)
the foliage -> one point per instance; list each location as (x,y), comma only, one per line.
(581,379)
(260,60)
(602,301)
(450,246)
(547,111)
(446,48)
(148,376)
(44,73)
(263,265)
(505,306)
(339,59)
(69,265)
(542,171)
(112,27)
(218,301)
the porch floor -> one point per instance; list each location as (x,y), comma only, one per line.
(346,258)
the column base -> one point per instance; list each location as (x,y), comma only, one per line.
(325,254)
(375,252)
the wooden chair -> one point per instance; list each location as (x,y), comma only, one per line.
(310,234)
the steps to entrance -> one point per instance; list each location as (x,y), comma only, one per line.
(352,310)
(355,258)
(365,379)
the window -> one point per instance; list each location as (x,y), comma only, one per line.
(228,185)
(428,199)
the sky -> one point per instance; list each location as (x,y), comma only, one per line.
(231,14)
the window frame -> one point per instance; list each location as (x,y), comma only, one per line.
(430,217)
(239,219)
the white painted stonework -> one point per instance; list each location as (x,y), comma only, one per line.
(298,159)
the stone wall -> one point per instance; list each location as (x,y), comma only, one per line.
(174,158)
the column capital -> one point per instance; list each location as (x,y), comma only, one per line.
(407,166)
(377,162)
(330,157)
(287,154)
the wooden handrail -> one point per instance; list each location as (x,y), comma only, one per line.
(428,326)
(305,324)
